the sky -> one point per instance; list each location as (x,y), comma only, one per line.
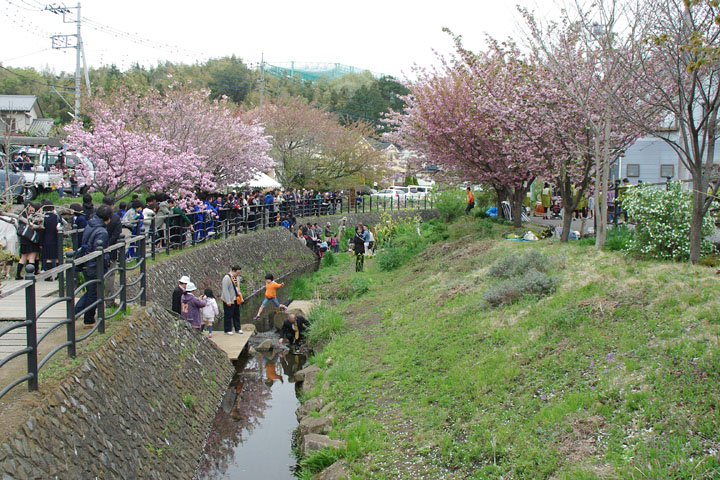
(387,37)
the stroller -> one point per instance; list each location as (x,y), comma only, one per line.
(555,208)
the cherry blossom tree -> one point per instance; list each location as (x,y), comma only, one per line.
(586,78)
(479,117)
(208,143)
(125,160)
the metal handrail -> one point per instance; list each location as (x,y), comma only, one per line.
(52,272)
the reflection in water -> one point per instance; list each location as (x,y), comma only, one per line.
(252,433)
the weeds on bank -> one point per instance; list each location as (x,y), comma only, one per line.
(325,323)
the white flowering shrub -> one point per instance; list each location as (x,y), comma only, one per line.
(663,222)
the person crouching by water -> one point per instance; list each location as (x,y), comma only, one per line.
(293,329)
(209,311)
(191,306)
(271,288)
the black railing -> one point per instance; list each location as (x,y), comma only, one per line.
(72,287)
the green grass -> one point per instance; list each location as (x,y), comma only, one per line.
(614,375)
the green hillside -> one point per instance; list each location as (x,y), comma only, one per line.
(615,374)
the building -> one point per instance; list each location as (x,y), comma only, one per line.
(22,114)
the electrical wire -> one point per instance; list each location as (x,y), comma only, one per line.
(34,9)
(23,56)
(137,39)
(36,81)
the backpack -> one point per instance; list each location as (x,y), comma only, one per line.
(86,248)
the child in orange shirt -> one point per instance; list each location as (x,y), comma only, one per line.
(271,288)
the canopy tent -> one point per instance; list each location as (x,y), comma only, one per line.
(260,180)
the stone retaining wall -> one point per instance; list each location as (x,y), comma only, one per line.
(140,407)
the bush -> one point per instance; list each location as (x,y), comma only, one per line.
(450,203)
(663,222)
(360,286)
(532,282)
(617,238)
(300,289)
(515,266)
(325,323)
(329,259)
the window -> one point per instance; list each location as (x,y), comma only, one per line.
(632,170)
(667,171)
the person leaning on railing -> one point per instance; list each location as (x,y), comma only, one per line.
(94,236)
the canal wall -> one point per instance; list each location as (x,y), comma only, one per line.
(141,406)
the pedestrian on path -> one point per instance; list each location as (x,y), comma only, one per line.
(271,288)
(209,311)
(470,201)
(359,248)
(232,299)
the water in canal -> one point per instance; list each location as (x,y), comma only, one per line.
(252,434)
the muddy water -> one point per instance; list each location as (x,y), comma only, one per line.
(252,434)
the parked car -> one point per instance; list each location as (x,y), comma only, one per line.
(400,189)
(390,193)
(16,180)
(38,176)
(418,192)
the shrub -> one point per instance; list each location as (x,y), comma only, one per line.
(617,238)
(532,282)
(519,265)
(300,289)
(450,203)
(360,285)
(663,222)
(317,460)
(329,259)
(325,323)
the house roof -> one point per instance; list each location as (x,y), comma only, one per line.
(17,103)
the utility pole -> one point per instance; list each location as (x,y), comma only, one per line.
(262,79)
(66,41)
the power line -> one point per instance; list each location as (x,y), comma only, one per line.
(137,39)
(35,81)
(33,9)
(23,56)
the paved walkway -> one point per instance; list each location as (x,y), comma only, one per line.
(13,310)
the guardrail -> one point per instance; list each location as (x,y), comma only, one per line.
(72,288)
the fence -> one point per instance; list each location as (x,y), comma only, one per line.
(162,234)
(94,280)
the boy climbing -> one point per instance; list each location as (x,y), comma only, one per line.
(271,288)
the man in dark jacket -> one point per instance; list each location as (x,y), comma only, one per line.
(87,206)
(114,230)
(293,329)
(93,235)
(178,293)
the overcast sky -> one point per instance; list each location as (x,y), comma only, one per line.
(384,36)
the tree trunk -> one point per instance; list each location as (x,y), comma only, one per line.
(567,221)
(517,206)
(696,220)
(601,182)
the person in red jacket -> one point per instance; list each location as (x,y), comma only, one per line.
(470,201)
(271,288)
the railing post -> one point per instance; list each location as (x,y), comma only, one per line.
(153,237)
(122,270)
(371,203)
(204,232)
(31,330)
(167,236)
(100,269)
(226,226)
(194,232)
(61,259)
(143,275)
(70,306)
(265,213)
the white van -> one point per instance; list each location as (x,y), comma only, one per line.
(418,191)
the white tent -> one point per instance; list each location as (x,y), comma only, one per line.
(260,180)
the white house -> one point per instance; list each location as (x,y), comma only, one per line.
(18,112)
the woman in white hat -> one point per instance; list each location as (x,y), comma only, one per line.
(178,293)
(191,306)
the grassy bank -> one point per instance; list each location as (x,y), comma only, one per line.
(613,374)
